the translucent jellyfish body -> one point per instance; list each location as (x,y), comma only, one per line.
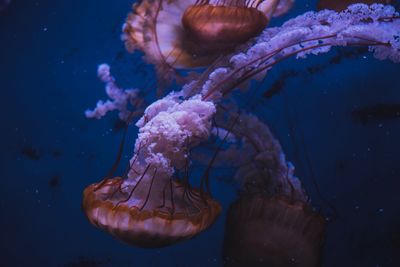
(151,207)
(188,33)
(149,213)
(277,232)
(218,26)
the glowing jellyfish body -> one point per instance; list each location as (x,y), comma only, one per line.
(186,33)
(150,216)
(151,207)
(220,26)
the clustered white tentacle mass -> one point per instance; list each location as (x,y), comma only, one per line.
(120,98)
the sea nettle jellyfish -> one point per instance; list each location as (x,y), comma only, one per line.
(151,207)
(339,5)
(189,33)
(271,223)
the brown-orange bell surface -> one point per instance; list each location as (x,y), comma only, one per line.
(177,34)
(217,28)
(340,5)
(147,216)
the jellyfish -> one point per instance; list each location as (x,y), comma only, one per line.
(186,33)
(151,207)
(272,222)
(343,4)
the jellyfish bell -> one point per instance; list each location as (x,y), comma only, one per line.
(343,4)
(148,214)
(271,223)
(217,26)
(263,230)
(187,33)
(274,232)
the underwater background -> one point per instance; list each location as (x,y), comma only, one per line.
(337,117)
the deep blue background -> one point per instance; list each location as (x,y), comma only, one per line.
(49,52)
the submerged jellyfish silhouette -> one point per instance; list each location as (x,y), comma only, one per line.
(272,222)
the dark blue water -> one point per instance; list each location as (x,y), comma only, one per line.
(335,117)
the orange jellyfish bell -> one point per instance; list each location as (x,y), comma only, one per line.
(148,214)
(215,27)
(187,33)
(343,4)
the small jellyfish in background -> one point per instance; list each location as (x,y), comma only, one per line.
(272,222)
(339,5)
(4,4)
(187,33)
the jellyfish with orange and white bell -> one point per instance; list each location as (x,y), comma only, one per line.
(151,212)
(151,207)
(186,33)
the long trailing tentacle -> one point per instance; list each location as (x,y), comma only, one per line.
(375,26)
(205,177)
(116,162)
(254,71)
